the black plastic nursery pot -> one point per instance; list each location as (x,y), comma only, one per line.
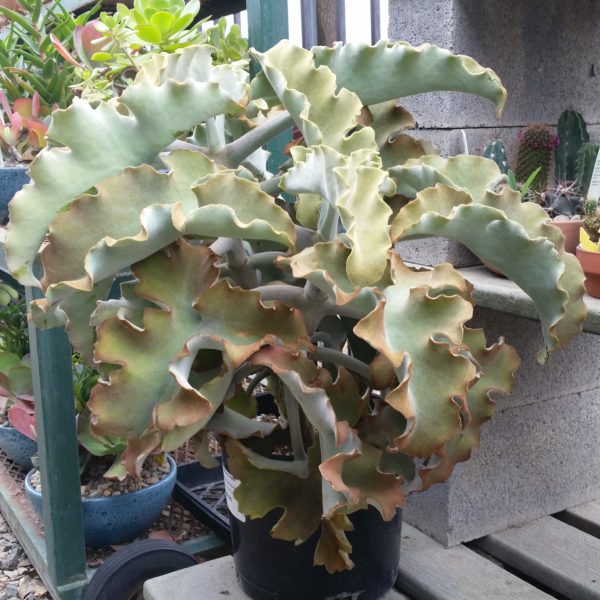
(270,569)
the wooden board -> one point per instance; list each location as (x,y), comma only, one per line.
(585,517)
(428,571)
(564,558)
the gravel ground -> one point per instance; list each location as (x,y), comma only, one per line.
(18,578)
(19,581)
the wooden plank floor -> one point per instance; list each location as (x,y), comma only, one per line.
(552,557)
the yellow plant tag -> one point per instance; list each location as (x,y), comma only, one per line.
(586,242)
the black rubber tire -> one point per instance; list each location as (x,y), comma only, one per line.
(123,574)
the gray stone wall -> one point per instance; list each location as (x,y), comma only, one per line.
(545,52)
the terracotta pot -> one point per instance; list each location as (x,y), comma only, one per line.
(570,229)
(590,262)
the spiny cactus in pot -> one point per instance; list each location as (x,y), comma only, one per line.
(572,134)
(586,159)
(536,145)
(496,151)
(380,384)
(564,205)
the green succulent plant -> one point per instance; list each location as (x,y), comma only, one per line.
(16,394)
(35,38)
(110,50)
(14,337)
(230,282)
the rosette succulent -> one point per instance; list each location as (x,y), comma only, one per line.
(381,385)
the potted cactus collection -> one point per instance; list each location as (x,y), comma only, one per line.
(380,385)
(573,156)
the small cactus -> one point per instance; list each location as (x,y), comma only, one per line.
(563,200)
(572,134)
(591,220)
(586,159)
(536,144)
(496,151)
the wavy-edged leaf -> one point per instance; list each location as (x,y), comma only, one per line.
(391,70)
(195,62)
(353,187)
(172,278)
(498,228)
(230,206)
(419,328)
(159,373)
(262,489)
(130,132)
(131,210)
(323,115)
(498,364)
(324,264)
(473,174)
(335,437)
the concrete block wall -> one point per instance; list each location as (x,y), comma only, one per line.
(545,52)
(539,455)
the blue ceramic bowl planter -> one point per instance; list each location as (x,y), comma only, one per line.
(12,179)
(18,447)
(118,519)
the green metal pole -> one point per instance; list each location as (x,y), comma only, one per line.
(58,455)
(267,24)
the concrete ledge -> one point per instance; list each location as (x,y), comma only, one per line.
(498,293)
(210,580)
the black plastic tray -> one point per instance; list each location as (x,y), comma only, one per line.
(202,492)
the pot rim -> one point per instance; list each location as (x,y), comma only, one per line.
(172,475)
(583,251)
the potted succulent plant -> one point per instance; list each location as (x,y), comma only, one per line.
(380,385)
(115,509)
(15,377)
(588,251)
(34,79)
(16,408)
(564,205)
(21,137)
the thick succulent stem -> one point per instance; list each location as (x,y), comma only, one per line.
(271,186)
(235,152)
(264,259)
(329,222)
(295,426)
(213,135)
(239,268)
(342,360)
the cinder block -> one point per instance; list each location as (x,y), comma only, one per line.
(538,456)
(543,50)
(433,251)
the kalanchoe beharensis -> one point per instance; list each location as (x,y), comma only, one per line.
(310,297)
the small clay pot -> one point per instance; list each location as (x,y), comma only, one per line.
(570,229)
(590,262)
